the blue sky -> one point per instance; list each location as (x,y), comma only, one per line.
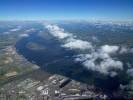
(66,9)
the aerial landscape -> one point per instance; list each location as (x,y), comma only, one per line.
(66,50)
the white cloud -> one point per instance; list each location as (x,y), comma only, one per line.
(70,41)
(130,72)
(109,64)
(109,49)
(23,35)
(6,33)
(125,49)
(113,74)
(106,65)
(57,32)
(97,59)
(15,29)
(77,44)
(100,61)
(30,30)
(131,50)
(83,57)
(128,65)
(95,39)
(128,86)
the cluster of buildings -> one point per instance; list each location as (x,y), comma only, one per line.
(56,87)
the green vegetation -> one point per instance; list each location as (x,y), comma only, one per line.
(21,97)
(11,64)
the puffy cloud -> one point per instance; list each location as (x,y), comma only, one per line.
(103,64)
(131,50)
(128,65)
(109,64)
(101,61)
(70,42)
(83,57)
(24,35)
(97,59)
(95,39)
(125,49)
(30,30)
(6,33)
(77,44)
(128,86)
(106,66)
(113,74)
(57,32)
(15,29)
(109,49)
(130,72)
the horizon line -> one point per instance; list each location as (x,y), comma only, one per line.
(88,20)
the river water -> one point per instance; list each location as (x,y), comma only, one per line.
(57,60)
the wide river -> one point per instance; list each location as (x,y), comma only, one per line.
(57,60)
